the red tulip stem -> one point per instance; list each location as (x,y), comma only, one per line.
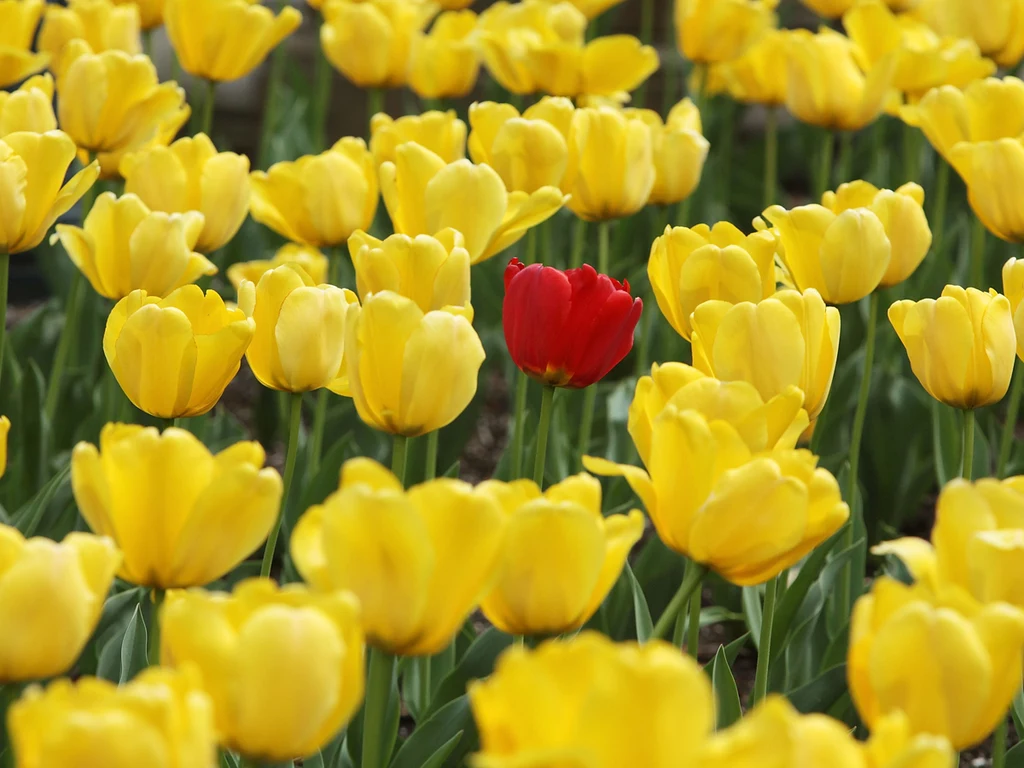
(542,436)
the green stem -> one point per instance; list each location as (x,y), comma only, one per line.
(764,651)
(157,598)
(5,274)
(845,156)
(978,254)
(278,60)
(691,581)
(399,452)
(294,422)
(321,107)
(939,197)
(316,440)
(587,422)
(1006,441)
(375,710)
(209,99)
(67,336)
(374,104)
(531,246)
(422,664)
(999,744)
(540,458)
(968,458)
(911,153)
(693,624)
(147,42)
(643,357)
(879,154)
(178,422)
(579,241)
(771,155)
(431,469)
(520,425)
(604,234)
(699,93)
(823,178)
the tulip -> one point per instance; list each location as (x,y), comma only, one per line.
(529,151)
(32,171)
(826,87)
(679,150)
(611,170)
(151,12)
(424,195)
(440,132)
(100,23)
(409,372)
(992,171)
(998,32)
(190,175)
(309,260)
(300,330)
(690,266)
(283,666)
(606,67)
(369,42)
(161,718)
(223,40)
(712,31)
(892,745)
(788,339)
(1013,289)
(418,560)
(567,328)
(758,76)
(433,272)
(953,672)
(961,346)
(18,22)
(181,515)
(560,539)
(593,8)
(53,595)
(318,200)
(589,701)
(30,108)
(444,63)
(126,247)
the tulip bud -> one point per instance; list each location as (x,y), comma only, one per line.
(710,31)
(679,150)
(961,346)
(30,108)
(18,22)
(151,12)
(444,63)
(418,560)
(100,23)
(224,40)
(992,171)
(758,76)
(53,594)
(309,260)
(440,132)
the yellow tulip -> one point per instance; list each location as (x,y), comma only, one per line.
(961,347)
(424,195)
(310,260)
(125,247)
(30,108)
(998,32)
(829,9)
(758,76)
(589,702)
(223,40)
(440,132)
(418,560)
(679,150)
(53,594)
(151,12)
(787,339)
(690,266)
(283,666)
(529,151)
(606,67)
(433,272)
(174,357)
(592,8)
(181,515)
(409,372)
(161,718)
(902,215)
(318,200)
(1013,289)
(5,428)
(953,672)
(558,538)
(18,22)
(712,31)
(300,333)
(444,64)
(892,745)
(369,42)
(826,87)
(993,171)
(32,171)
(103,25)
(190,175)
(611,164)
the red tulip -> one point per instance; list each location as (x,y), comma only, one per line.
(567,329)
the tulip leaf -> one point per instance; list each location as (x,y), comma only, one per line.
(644,624)
(229,760)
(134,647)
(28,518)
(946,439)
(822,692)
(732,650)
(437,737)
(1015,756)
(477,663)
(727,696)
(787,608)
(752,613)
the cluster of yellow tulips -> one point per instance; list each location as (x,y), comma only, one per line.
(187,582)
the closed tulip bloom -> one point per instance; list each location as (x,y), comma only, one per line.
(318,200)
(181,515)
(425,195)
(300,334)
(30,108)
(679,150)
(190,175)
(18,22)
(310,260)
(992,171)
(712,31)
(558,539)
(444,63)
(32,171)
(151,12)
(418,560)
(369,42)
(174,357)
(758,76)
(961,346)
(224,40)
(125,247)
(589,701)
(440,132)
(690,266)
(53,594)
(567,328)
(283,665)
(161,718)
(409,371)
(103,25)
(788,339)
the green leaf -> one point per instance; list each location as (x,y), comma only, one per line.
(34,430)
(644,624)
(946,439)
(822,692)
(228,759)
(28,518)
(433,741)
(727,696)
(797,590)
(1015,756)
(752,613)
(477,663)
(134,647)
(732,650)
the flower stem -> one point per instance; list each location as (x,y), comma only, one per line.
(643,357)
(824,173)
(316,440)
(271,101)
(422,664)
(520,424)
(431,469)
(771,155)
(295,421)
(320,113)
(147,43)
(206,124)
(978,254)
(693,625)
(579,241)
(399,451)
(764,651)
(999,744)
(604,234)
(5,273)
(67,336)
(1006,441)
(531,246)
(939,197)
(375,710)
(540,459)
(691,581)
(845,156)
(374,104)
(968,460)
(157,598)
